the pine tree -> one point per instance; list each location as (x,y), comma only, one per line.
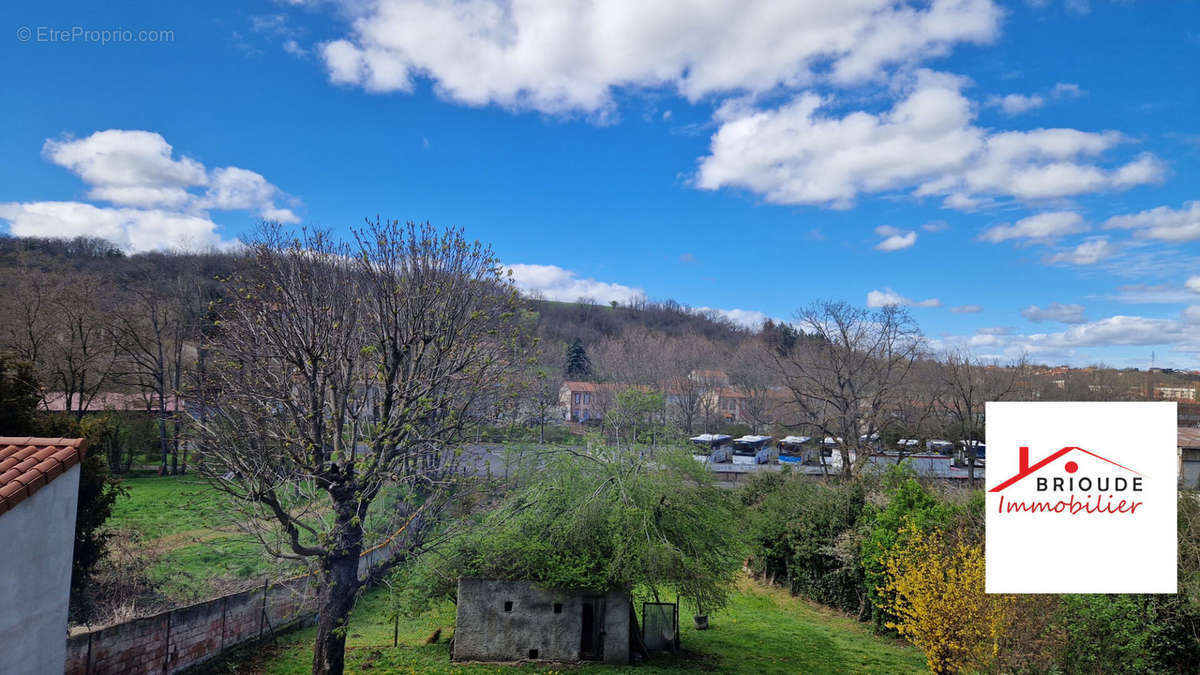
(578,364)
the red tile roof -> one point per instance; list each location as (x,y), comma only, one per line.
(28,464)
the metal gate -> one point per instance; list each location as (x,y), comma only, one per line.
(660,626)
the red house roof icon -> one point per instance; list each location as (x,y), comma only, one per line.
(1027,470)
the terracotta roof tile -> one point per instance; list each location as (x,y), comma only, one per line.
(27,464)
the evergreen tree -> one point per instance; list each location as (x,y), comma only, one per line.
(578,364)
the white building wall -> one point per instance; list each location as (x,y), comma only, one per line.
(37,537)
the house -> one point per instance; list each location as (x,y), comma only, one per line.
(39,485)
(520,621)
(1189,456)
(1175,393)
(710,378)
(582,401)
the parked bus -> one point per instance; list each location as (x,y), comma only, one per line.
(714,448)
(752,450)
(798,450)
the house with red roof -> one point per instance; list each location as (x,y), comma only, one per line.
(39,487)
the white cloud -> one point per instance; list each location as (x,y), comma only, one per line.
(1141,294)
(292,47)
(135,230)
(895,239)
(1067,90)
(158,200)
(571,55)
(1015,104)
(555,283)
(936,226)
(1088,253)
(1162,223)
(966,309)
(1055,311)
(1042,227)
(1193,284)
(1066,345)
(748,318)
(1191,314)
(128,168)
(887,298)
(927,144)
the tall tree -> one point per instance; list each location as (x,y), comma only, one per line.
(151,331)
(844,374)
(339,369)
(578,365)
(967,385)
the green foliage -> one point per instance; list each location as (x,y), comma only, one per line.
(608,518)
(1110,633)
(578,364)
(909,505)
(761,631)
(98,491)
(802,533)
(18,396)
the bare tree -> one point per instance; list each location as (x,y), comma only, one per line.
(340,369)
(967,384)
(751,375)
(844,373)
(686,388)
(79,355)
(152,330)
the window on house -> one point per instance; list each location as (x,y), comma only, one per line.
(558,608)
(587,398)
(576,399)
(508,605)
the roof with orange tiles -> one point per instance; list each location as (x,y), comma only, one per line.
(29,464)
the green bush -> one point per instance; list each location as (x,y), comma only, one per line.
(908,503)
(599,520)
(802,533)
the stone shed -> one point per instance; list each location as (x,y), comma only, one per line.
(516,620)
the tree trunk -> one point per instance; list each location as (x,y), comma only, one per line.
(162,443)
(339,589)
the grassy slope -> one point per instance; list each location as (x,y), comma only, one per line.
(187,523)
(763,631)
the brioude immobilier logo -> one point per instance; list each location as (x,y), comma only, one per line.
(1081,497)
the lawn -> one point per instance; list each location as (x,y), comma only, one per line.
(764,630)
(189,532)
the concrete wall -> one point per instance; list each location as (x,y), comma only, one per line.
(513,620)
(180,638)
(38,536)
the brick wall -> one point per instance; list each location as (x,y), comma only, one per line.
(185,636)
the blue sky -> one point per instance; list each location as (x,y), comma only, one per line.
(1024,174)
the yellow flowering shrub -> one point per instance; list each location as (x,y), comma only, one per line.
(937,590)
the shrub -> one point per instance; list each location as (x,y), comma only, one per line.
(798,527)
(908,503)
(936,587)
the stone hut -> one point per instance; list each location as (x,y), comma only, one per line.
(516,620)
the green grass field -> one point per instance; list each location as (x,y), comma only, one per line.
(191,532)
(764,630)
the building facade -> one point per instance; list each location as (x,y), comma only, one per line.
(39,486)
(519,621)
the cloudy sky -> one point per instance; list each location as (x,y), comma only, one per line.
(1022,175)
